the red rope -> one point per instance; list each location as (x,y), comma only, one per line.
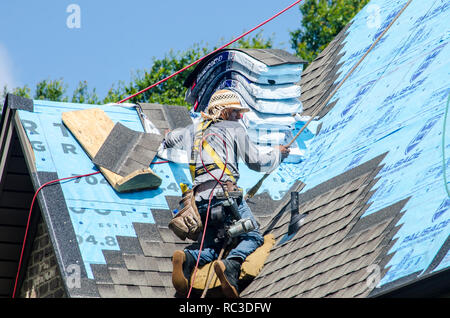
(220,48)
(209,203)
(31,209)
(159,162)
(29,218)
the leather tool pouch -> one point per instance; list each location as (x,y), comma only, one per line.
(187,222)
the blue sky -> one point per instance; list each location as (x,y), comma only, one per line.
(118,37)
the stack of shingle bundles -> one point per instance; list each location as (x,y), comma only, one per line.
(266,80)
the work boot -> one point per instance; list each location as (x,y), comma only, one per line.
(183,264)
(228,272)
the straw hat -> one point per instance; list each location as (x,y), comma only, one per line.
(220,100)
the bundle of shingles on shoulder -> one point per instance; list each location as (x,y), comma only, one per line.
(267,80)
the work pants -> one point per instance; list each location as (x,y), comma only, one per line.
(247,243)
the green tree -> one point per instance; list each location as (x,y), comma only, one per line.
(82,95)
(169,92)
(172,91)
(24,91)
(254,42)
(55,91)
(321,22)
(115,94)
(51,90)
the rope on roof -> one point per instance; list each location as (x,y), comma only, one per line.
(256,187)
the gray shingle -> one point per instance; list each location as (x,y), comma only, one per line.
(156,292)
(137,278)
(101,273)
(162,217)
(125,151)
(147,231)
(154,279)
(165,265)
(152,248)
(131,261)
(129,245)
(113,257)
(321,259)
(106,290)
(119,276)
(127,291)
(168,236)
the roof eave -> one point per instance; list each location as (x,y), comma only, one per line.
(432,285)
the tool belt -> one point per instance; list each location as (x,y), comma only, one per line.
(233,191)
(230,202)
(227,215)
(187,223)
(229,186)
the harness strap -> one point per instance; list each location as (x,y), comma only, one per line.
(218,163)
(201,127)
(217,160)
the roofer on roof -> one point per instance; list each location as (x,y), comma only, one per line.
(216,143)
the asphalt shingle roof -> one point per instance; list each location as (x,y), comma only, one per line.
(371,185)
(330,253)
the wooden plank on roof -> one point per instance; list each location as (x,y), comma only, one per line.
(91,127)
(251,267)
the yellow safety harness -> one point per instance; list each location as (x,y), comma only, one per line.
(218,163)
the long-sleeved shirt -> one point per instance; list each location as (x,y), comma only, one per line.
(237,145)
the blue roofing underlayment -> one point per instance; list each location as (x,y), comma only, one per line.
(394,102)
(98,213)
